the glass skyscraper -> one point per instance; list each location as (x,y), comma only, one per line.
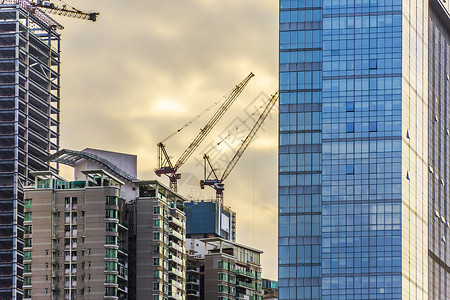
(364,167)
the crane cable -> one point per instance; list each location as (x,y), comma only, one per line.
(67,4)
(251,116)
(195,118)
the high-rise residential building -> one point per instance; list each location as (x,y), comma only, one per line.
(209,218)
(363,149)
(76,238)
(221,269)
(29,123)
(157,240)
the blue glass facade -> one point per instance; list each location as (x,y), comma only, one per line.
(209,219)
(355,152)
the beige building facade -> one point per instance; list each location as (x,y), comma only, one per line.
(76,238)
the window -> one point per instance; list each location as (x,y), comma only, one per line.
(28,203)
(28,229)
(223,276)
(156,286)
(156,236)
(372,63)
(373,126)
(350,106)
(156,210)
(111,227)
(27,281)
(155,261)
(28,216)
(28,243)
(111,200)
(349,169)
(350,127)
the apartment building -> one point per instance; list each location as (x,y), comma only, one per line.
(221,269)
(157,242)
(76,238)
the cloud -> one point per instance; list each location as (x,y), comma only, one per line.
(145,68)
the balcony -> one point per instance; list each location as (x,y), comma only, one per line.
(245,284)
(175,246)
(123,288)
(177,222)
(193,269)
(175,259)
(173,295)
(176,272)
(245,273)
(193,281)
(176,234)
(193,293)
(176,284)
(123,250)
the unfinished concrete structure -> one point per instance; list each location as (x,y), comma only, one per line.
(223,270)
(157,243)
(75,238)
(29,123)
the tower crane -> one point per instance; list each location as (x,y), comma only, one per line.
(217,183)
(64,10)
(165,165)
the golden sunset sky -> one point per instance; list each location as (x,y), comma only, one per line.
(145,68)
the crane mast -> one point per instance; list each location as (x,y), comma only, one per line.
(217,183)
(165,165)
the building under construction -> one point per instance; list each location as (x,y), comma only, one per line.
(29,123)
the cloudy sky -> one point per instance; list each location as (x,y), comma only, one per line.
(147,67)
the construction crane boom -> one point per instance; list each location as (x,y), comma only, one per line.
(217,183)
(165,165)
(72,12)
(213,121)
(250,136)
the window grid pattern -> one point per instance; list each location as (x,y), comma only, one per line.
(439,159)
(362,161)
(300,149)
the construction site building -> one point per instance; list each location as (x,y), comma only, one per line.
(29,123)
